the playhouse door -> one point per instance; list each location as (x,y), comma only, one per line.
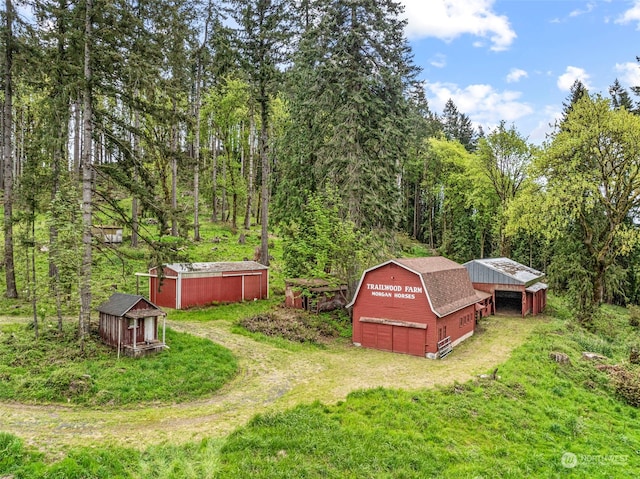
(149,333)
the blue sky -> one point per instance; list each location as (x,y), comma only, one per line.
(515,60)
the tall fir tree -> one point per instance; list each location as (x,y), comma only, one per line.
(349,111)
(458,126)
(620,97)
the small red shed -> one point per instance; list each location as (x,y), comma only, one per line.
(419,306)
(513,286)
(184,285)
(130,323)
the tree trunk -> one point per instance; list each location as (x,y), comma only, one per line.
(174,175)
(264,158)
(134,201)
(214,178)
(250,186)
(11,290)
(87,181)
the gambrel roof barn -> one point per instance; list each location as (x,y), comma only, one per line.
(419,306)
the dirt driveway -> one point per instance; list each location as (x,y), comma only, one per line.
(269,379)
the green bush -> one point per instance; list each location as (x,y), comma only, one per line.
(634,315)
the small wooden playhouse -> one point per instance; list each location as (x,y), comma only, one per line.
(130,323)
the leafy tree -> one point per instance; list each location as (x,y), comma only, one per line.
(264,34)
(226,109)
(504,156)
(322,244)
(461,204)
(592,173)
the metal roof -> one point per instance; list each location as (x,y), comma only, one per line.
(119,304)
(502,271)
(216,267)
(536,287)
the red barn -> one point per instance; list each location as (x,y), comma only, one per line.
(419,306)
(184,285)
(514,286)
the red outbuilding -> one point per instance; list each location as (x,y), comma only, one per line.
(514,286)
(418,306)
(184,285)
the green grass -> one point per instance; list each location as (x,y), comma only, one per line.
(518,426)
(521,425)
(54,369)
(229,312)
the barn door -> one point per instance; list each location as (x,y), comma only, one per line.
(149,333)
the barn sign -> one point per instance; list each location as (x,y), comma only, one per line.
(418,306)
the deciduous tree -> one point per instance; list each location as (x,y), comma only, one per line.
(592,173)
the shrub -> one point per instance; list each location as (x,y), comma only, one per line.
(627,384)
(634,315)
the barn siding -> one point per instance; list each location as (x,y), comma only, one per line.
(368,304)
(204,288)
(163,292)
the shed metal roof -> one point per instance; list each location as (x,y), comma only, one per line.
(119,304)
(502,271)
(215,267)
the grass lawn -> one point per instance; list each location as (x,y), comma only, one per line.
(53,369)
(540,418)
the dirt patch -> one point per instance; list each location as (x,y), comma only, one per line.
(269,379)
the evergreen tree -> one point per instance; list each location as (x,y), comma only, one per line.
(458,126)
(620,97)
(578,91)
(348,111)
(11,290)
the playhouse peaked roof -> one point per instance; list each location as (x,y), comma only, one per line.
(119,304)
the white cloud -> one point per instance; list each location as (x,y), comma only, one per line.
(516,74)
(577,12)
(567,79)
(545,126)
(449,19)
(631,16)
(438,60)
(484,105)
(630,73)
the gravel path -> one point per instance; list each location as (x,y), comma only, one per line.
(269,379)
